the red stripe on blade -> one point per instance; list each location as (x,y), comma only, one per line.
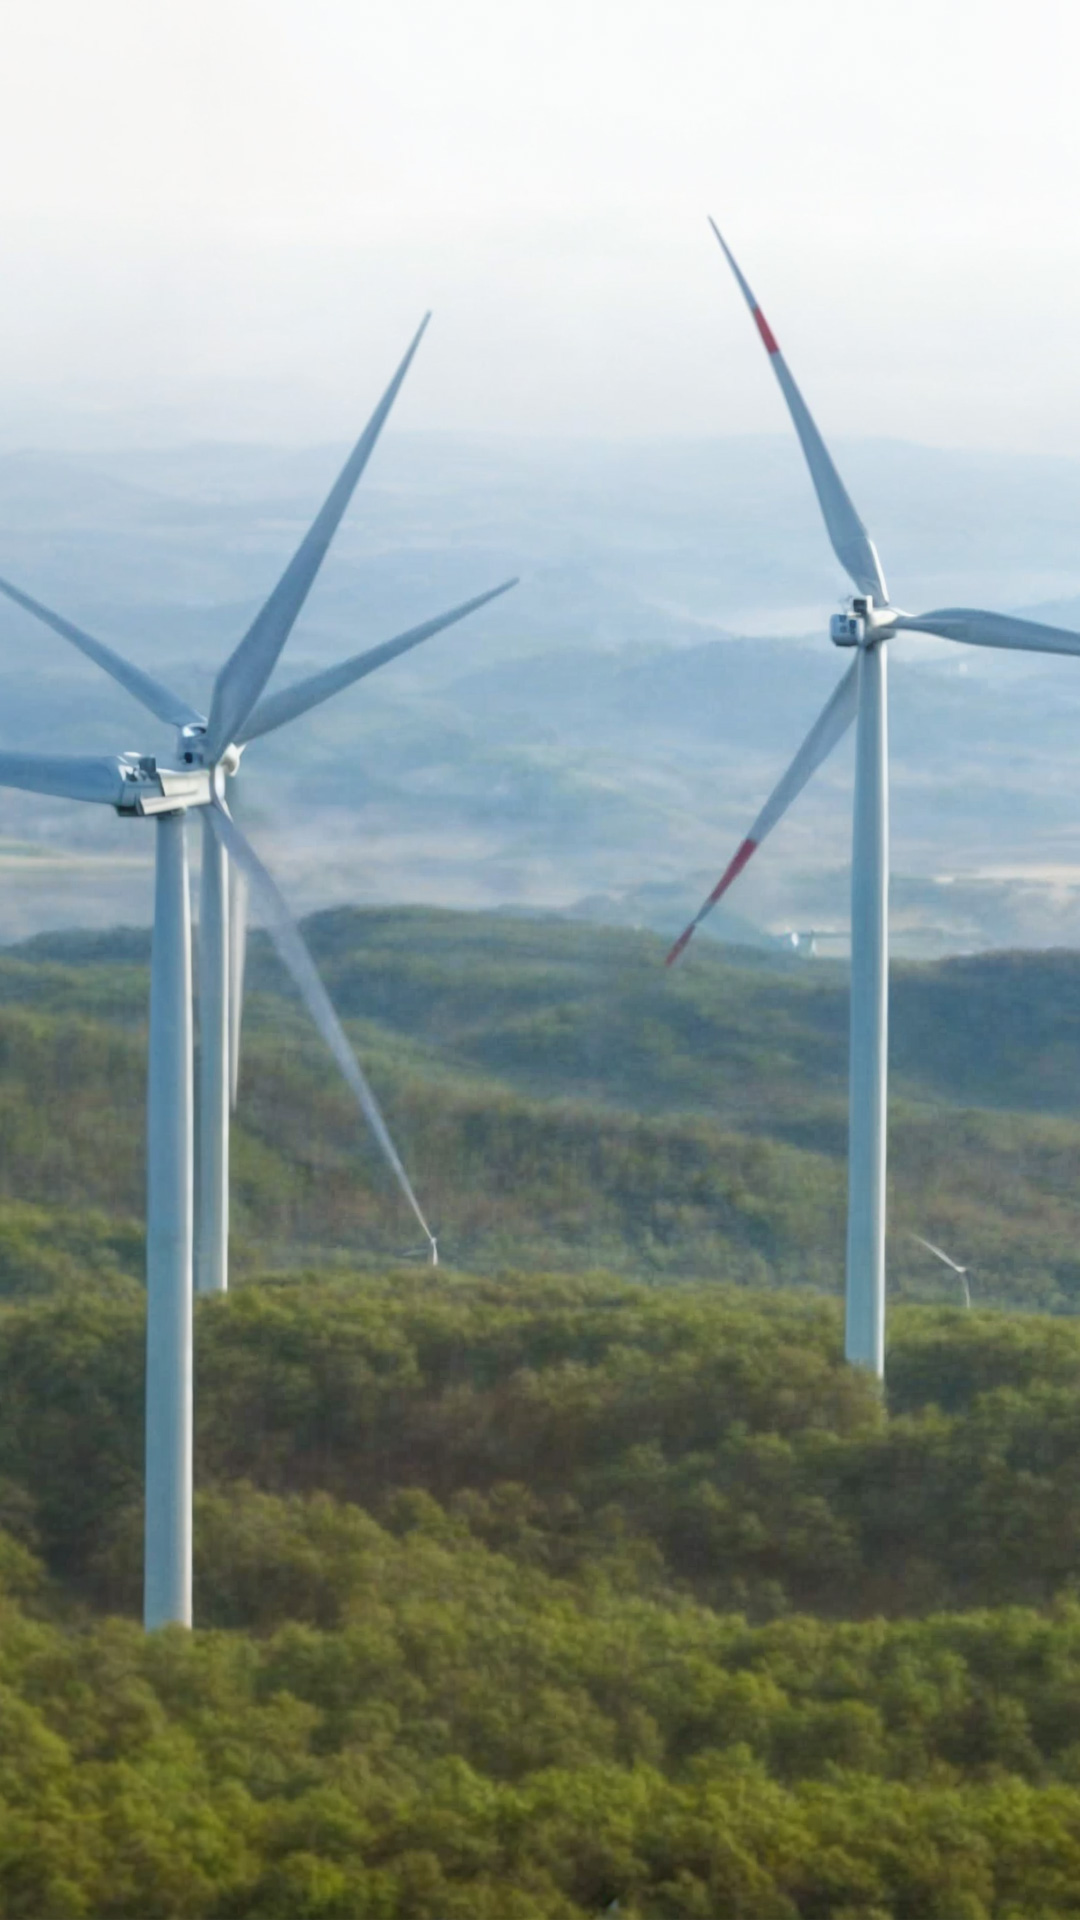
(765,331)
(682,941)
(731,872)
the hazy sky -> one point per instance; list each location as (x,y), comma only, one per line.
(228,215)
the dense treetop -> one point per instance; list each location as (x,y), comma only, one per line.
(528,1591)
(521,1595)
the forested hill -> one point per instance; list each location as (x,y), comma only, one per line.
(556,1005)
(540,1594)
(522,1598)
(564,1100)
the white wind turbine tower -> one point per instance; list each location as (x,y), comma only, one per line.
(862,696)
(208,750)
(218,744)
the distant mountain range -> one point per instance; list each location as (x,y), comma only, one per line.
(606,733)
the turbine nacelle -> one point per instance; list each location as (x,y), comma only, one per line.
(147,789)
(864,625)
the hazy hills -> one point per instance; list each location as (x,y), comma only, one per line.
(600,735)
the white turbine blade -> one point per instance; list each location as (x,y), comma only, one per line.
(937,1252)
(148,692)
(70,778)
(851,543)
(249,667)
(238,917)
(289,942)
(974,628)
(829,728)
(278,708)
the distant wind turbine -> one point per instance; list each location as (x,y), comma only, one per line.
(803,940)
(861,696)
(960,1272)
(208,751)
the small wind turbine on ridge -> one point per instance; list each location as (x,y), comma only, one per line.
(960,1272)
(208,752)
(861,696)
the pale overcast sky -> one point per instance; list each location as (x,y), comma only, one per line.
(230,213)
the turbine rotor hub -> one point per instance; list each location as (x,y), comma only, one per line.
(191,743)
(191,746)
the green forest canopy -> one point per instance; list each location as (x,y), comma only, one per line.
(523,1596)
(527,1593)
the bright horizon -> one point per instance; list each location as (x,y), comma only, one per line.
(238,211)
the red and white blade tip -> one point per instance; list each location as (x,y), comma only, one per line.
(731,872)
(767,335)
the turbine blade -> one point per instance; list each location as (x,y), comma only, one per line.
(289,942)
(978,629)
(249,667)
(70,778)
(930,1248)
(148,692)
(291,702)
(829,728)
(238,918)
(852,544)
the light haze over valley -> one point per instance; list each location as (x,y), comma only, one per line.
(599,740)
(220,225)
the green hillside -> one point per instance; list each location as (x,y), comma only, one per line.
(522,1597)
(563,1101)
(530,1590)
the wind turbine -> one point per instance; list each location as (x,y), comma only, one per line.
(960,1272)
(208,749)
(862,696)
(803,940)
(218,743)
